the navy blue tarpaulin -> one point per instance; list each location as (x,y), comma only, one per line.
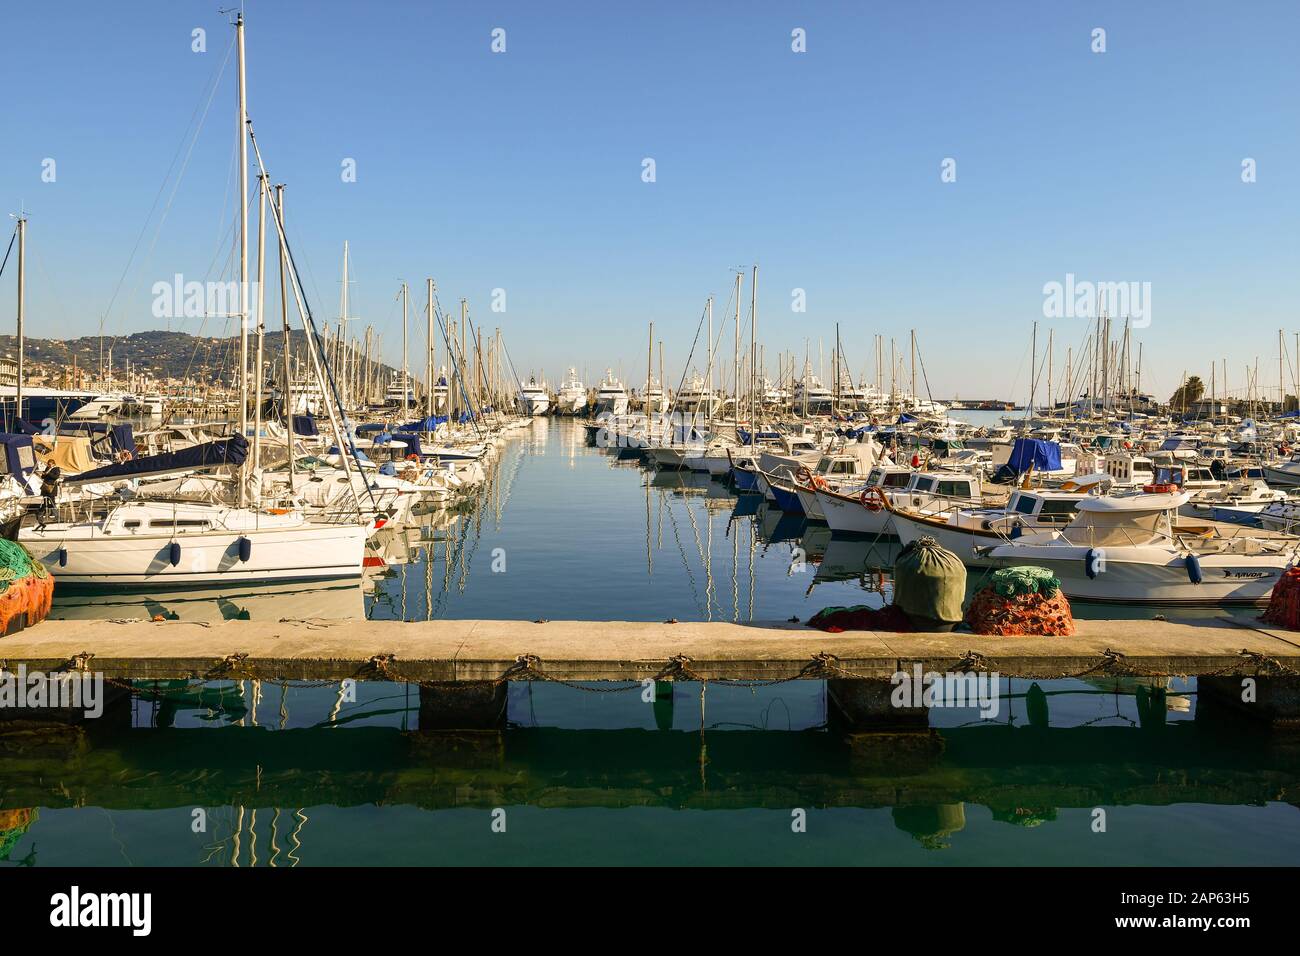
(19,458)
(305,425)
(228,451)
(412,440)
(1034,453)
(423,424)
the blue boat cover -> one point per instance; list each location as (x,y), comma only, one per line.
(423,424)
(20,459)
(305,425)
(227,451)
(1036,453)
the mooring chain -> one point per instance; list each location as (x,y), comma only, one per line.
(381,664)
(527,667)
(226,668)
(1270,666)
(971,661)
(79,662)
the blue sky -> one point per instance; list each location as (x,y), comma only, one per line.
(522,170)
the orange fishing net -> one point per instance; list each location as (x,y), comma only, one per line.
(26,588)
(1020,614)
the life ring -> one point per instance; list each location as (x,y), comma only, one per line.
(1160,489)
(412,457)
(873,499)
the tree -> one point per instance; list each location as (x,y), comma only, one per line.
(1189,393)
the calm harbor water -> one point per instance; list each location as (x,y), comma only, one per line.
(293,776)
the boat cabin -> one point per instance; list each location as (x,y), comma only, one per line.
(1130,471)
(928,485)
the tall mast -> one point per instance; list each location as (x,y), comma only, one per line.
(753,352)
(708,307)
(261,320)
(649,373)
(835,372)
(344,344)
(428,398)
(913,386)
(287,396)
(1051,337)
(406,388)
(241,131)
(22,310)
(1033,369)
(736,363)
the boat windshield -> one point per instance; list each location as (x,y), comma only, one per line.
(1100,529)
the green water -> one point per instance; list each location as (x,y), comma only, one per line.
(291,775)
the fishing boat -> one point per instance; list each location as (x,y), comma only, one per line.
(1132,550)
(868,512)
(845,472)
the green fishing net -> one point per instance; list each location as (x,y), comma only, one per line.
(1010,582)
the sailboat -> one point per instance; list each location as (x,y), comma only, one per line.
(119,543)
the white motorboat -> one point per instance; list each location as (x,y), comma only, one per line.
(1132,550)
(534,400)
(698,398)
(1284,472)
(811,396)
(572,396)
(611,396)
(965,531)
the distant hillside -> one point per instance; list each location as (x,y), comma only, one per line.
(160,354)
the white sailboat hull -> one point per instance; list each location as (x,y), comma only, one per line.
(79,556)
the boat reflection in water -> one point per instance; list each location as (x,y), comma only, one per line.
(302,795)
(252,602)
